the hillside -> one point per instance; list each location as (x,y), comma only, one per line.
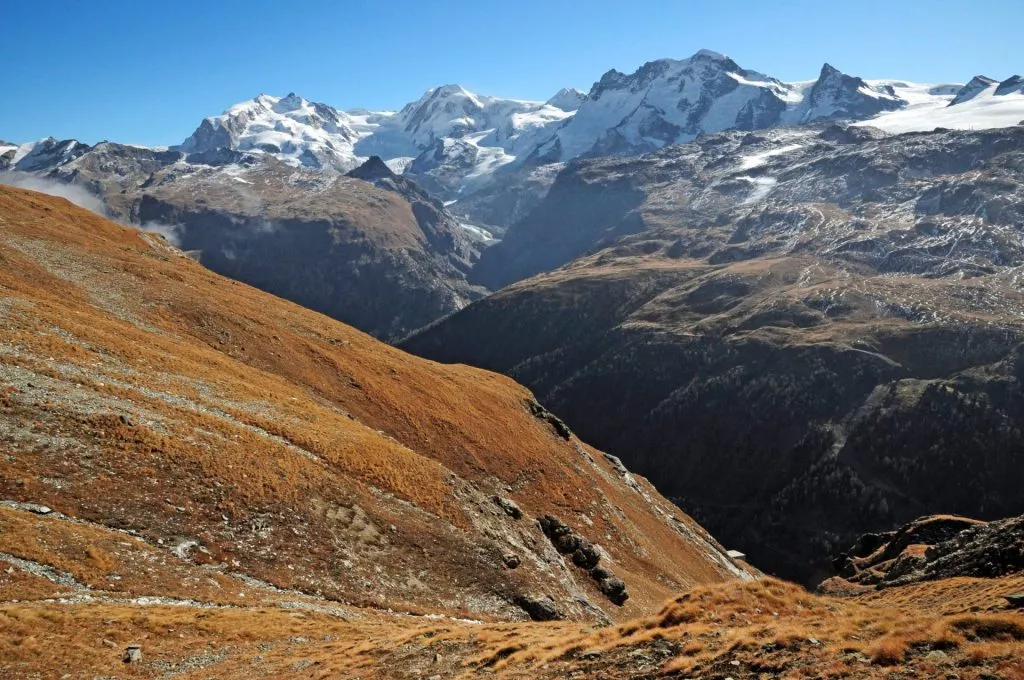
(200,478)
(959,626)
(797,335)
(144,394)
(383,258)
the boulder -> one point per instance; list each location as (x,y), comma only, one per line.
(539,608)
(567,543)
(132,654)
(614,589)
(553,527)
(586,556)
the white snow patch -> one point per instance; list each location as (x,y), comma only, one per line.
(762,187)
(758,159)
(478,232)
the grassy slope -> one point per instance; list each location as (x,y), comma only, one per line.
(143,392)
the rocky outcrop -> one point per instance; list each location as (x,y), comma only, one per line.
(840,96)
(539,608)
(560,428)
(932,548)
(584,555)
(972,89)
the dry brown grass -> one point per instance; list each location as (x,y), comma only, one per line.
(778,628)
(350,431)
(797,636)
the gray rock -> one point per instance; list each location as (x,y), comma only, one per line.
(132,654)
(614,589)
(586,556)
(567,543)
(1016,600)
(509,506)
(539,608)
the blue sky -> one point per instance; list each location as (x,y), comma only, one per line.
(147,71)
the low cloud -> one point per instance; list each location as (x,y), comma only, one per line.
(171,232)
(73,193)
(83,199)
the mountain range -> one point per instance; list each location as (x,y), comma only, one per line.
(648,344)
(489,161)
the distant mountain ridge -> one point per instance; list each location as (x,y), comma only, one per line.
(486,162)
(455,142)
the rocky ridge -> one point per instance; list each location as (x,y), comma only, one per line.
(930,549)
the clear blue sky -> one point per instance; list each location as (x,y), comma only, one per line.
(148,71)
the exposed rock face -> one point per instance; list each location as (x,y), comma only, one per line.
(976,86)
(799,335)
(837,95)
(933,548)
(584,555)
(539,608)
(1013,84)
(50,152)
(509,506)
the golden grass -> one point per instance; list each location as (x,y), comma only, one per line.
(381,428)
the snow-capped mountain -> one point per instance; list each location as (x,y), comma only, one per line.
(459,138)
(46,153)
(455,142)
(452,111)
(671,101)
(291,128)
(837,95)
(972,89)
(449,128)
(568,99)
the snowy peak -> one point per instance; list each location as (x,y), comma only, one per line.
(838,95)
(567,99)
(46,153)
(446,111)
(669,101)
(1009,86)
(292,128)
(981,104)
(972,89)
